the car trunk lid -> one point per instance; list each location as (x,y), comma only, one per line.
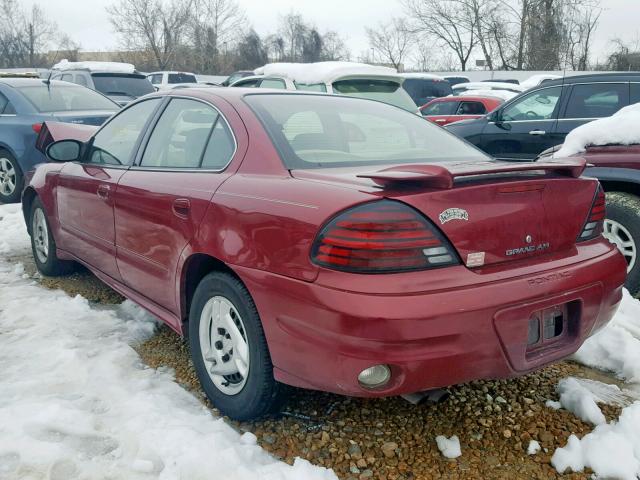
(491,212)
(96,118)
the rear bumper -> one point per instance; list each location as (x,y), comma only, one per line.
(321,337)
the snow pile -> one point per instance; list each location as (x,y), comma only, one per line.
(580,401)
(323,72)
(111,67)
(533,448)
(622,128)
(449,447)
(426,76)
(502,94)
(535,80)
(76,402)
(616,348)
(611,450)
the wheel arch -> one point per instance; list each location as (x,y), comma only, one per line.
(28,196)
(624,180)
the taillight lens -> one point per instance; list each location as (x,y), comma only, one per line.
(595,221)
(381,237)
(36,127)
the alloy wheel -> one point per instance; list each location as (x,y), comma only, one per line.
(7,177)
(40,234)
(618,234)
(224,346)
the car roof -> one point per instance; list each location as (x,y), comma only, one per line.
(466,98)
(593,78)
(30,82)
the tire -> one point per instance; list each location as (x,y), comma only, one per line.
(11,178)
(43,245)
(622,227)
(224,345)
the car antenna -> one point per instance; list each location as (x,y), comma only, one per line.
(47,82)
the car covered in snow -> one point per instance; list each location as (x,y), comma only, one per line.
(25,103)
(326,242)
(341,78)
(118,81)
(444,111)
(168,80)
(611,147)
(541,118)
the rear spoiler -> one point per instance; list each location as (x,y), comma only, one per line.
(54,131)
(441,177)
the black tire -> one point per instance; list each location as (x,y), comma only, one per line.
(624,209)
(17,179)
(261,394)
(51,265)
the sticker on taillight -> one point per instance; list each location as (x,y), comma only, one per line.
(475,259)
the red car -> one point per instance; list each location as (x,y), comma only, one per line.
(326,242)
(453,109)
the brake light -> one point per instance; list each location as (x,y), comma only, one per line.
(381,237)
(37,127)
(595,221)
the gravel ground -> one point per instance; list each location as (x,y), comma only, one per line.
(390,438)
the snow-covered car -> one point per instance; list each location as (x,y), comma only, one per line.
(455,80)
(169,80)
(535,80)
(486,86)
(341,78)
(611,147)
(118,81)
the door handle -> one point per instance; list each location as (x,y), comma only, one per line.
(537,132)
(103,191)
(181,207)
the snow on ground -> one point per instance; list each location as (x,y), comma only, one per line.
(533,448)
(611,450)
(622,128)
(76,401)
(449,447)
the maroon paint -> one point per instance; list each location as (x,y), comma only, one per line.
(490,104)
(434,327)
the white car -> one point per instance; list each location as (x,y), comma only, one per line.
(341,78)
(170,80)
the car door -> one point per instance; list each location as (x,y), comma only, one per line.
(524,127)
(162,200)
(86,189)
(590,101)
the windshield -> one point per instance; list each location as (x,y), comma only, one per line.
(182,78)
(382,90)
(313,131)
(422,90)
(60,98)
(125,85)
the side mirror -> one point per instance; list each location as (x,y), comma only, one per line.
(64,151)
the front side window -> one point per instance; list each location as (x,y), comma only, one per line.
(440,108)
(597,100)
(273,83)
(181,135)
(540,105)
(156,78)
(114,144)
(471,108)
(80,80)
(321,132)
(61,97)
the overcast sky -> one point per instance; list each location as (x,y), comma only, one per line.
(87,22)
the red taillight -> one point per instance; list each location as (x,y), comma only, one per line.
(595,221)
(36,127)
(381,237)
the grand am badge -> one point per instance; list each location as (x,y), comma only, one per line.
(453,214)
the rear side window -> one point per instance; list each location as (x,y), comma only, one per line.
(273,83)
(67,77)
(114,144)
(80,80)
(597,100)
(3,102)
(311,87)
(471,108)
(182,78)
(60,97)
(635,93)
(440,108)
(185,129)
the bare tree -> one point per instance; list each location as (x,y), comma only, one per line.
(151,25)
(392,41)
(449,22)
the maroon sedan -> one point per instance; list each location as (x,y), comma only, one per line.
(326,242)
(446,110)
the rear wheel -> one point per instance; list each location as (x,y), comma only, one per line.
(622,227)
(11,179)
(43,245)
(229,349)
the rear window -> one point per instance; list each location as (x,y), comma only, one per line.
(182,78)
(118,84)
(423,90)
(313,131)
(382,90)
(60,98)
